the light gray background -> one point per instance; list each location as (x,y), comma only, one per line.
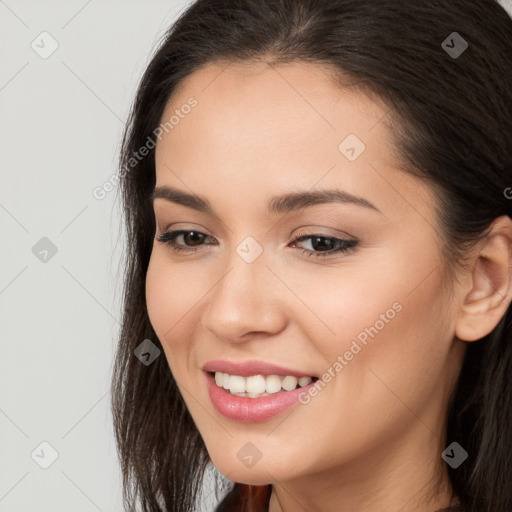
(61,120)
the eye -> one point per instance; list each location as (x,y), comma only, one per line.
(195,237)
(321,245)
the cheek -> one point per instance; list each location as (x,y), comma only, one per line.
(397,354)
(388,316)
(159,302)
(338,304)
(170,297)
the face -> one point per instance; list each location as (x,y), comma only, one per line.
(348,290)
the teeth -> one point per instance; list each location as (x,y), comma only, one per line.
(259,385)
(236,384)
(289,383)
(254,384)
(272,384)
(304,381)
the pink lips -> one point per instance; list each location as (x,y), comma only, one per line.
(248,368)
(246,409)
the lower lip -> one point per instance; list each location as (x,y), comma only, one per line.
(249,410)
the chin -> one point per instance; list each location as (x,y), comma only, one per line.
(249,476)
(260,473)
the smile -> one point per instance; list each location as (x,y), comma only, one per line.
(256,386)
(256,402)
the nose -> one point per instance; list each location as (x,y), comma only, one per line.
(247,300)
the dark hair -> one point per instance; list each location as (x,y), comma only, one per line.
(451,119)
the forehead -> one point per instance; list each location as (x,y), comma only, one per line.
(262,103)
(260,128)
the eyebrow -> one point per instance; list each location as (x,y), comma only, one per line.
(279,204)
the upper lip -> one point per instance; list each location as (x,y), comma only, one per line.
(248,368)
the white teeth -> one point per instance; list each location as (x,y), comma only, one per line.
(289,383)
(255,384)
(304,381)
(272,384)
(236,384)
(259,385)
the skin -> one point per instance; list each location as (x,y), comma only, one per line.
(372,439)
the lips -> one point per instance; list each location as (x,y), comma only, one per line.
(249,368)
(249,410)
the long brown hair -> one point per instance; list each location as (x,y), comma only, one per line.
(452,119)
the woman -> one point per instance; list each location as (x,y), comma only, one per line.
(318,206)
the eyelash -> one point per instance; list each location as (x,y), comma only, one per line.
(344,245)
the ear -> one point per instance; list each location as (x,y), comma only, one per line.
(490,284)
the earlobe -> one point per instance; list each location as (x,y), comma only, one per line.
(490,294)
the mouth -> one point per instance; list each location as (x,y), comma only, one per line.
(246,400)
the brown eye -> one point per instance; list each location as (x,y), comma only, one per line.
(323,245)
(192,239)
